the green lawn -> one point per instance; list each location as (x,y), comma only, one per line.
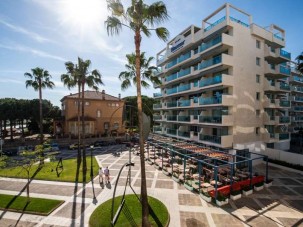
(35,206)
(48,171)
(101,217)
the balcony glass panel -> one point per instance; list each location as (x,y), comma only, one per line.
(298,118)
(172,104)
(209,81)
(210,138)
(299,89)
(172,77)
(184,87)
(239,22)
(283,136)
(298,79)
(172,63)
(157,106)
(300,99)
(298,108)
(215,23)
(285,103)
(284,86)
(171,131)
(157,129)
(210,100)
(172,118)
(183,72)
(157,95)
(157,117)
(183,103)
(210,43)
(172,90)
(278,37)
(184,118)
(210,119)
(210,62)
(285,54)
(284,70)
(284,119)
(184,134)
(184,57)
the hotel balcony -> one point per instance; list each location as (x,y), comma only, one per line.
(172,132)
(297,109)
(296,80)
(171,118)
(269,137)
(267,35)
(184,118)
(276,56)
(224,120)
(297,89)
(210,65)
(277,71)
(297,119)
(157,129)
(278,87)
(157,106)
(180,103)
(218,80)
(157,117)
(221,141)
(178,75)
(178,60)
(275,103)
(179,89)
(183,134)
(224,100)
(157,95)
(298,99)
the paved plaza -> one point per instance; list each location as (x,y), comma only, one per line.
(279,205)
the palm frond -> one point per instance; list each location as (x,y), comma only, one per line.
(162,33)
(156,13)
(113,25)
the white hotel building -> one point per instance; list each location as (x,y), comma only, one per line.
(224,84)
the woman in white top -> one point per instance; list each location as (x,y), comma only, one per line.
(100,175)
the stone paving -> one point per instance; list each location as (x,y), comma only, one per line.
(279,205)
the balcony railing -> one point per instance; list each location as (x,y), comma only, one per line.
(278,37)
(299,99)
(172,90)
(284,70)
(283,136)
(183,103)
(284,119)
(210,62)
(285,54)
(184,87)
(210,119)
(210,100)
(210,138)
(209,81)
(157,117)
(214,24)
(179,60)
(298,118)
(184,134)
(157,95)
(284,86)
(157,129)
(205,46)
(179,74)
(171,131)
(157,106)
(184,118)
(298,108)
(180,88)
(171,117)
(298,79)
(299,89)
(172,77)
(172,104)
(284,103)
(239,22)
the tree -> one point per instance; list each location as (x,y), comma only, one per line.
(139,18)
(300,63)
(39,79)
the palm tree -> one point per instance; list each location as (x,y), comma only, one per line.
(147,72)
(92,79)
(39,79)
(300,63)
(138,17)
(72,79)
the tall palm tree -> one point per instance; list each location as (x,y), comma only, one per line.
(139,18)
(147,72)
(39,79)
(72,79)
(300,63)
(92,79)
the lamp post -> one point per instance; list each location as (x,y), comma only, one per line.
(91,161)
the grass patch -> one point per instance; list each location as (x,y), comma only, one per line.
(35,206)
(48,171)
(101,217)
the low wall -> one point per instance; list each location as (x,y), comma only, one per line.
(285,156)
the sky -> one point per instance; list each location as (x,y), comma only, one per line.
(48,33)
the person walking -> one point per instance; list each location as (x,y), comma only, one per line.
(100,175)
(106,173)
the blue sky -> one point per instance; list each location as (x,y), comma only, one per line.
(47,33)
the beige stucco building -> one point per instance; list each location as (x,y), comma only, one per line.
(103,113)
(224,84)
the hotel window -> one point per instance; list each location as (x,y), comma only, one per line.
(258,131)
(258,44)
(258,78)
(258,61)
(258,113)
(98,113)
(258,96)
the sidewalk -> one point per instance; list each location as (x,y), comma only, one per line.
(280,205)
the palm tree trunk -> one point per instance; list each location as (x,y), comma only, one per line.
(78,122)
(40,109)
(144,201)
(83,131)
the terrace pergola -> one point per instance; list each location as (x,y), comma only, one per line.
(204,169)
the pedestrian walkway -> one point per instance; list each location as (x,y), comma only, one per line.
(279,205)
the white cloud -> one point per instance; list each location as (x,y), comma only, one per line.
(5,80)
(33,51)
(24,31)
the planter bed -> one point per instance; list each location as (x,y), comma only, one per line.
(267,185)
(205,198)
(165,172)
(235,197)
(188,187)
(176,179)
(222,203)
(246,193)
(256,188)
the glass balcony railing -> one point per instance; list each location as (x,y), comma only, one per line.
(298,79)
(171,131)
(214,24)
(157,106)
(205,46)
(210,119)
(157,95)
(299,99)
(284,86)
(239,22)
(184,118)
(299,89)
(284,103)
(285,54)
(210,81)
(157,129)
(172,63)
(172,90)
(184,87)
(172,104)
(278,37)
(179,59)
(171,117)
(298,118)
(298,108)
(283,136)
(183,72)
(210,100)
(210,138)
(172,77)
(284,70)
(184,134)
(210,62)
(157,117)
(183,103)
(284,119)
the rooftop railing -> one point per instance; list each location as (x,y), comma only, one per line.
(239,21)
(215,23)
